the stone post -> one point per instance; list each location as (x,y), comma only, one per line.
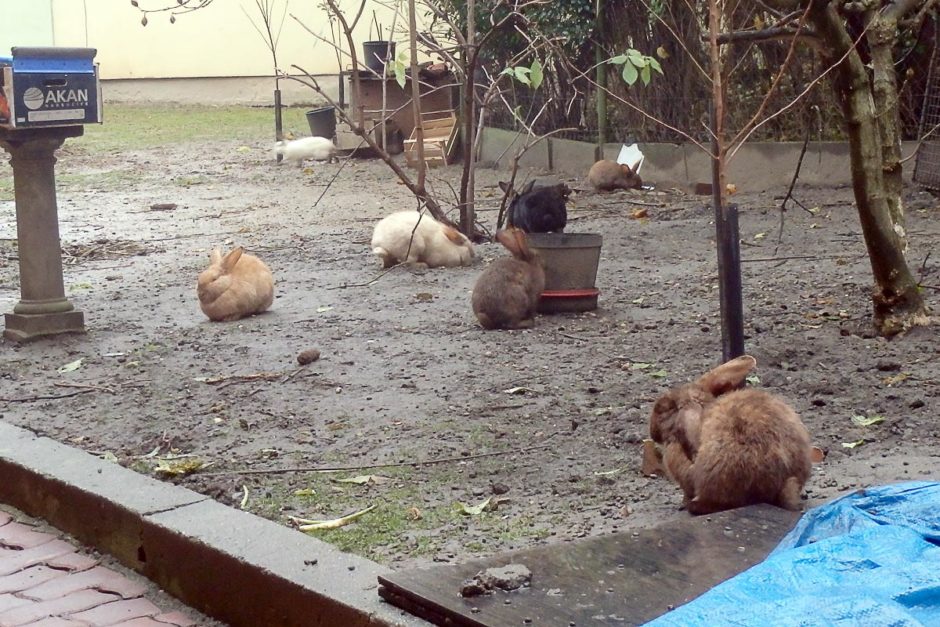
(43,308)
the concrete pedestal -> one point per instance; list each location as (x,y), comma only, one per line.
(43,308)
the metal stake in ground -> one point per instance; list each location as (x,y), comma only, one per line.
(729,282)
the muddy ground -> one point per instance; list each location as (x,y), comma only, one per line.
(406,375)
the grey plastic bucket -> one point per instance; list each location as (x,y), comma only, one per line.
(322,122)
(571,261)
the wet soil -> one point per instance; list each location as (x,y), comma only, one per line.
(547,423)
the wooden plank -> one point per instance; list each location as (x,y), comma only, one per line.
(625,578)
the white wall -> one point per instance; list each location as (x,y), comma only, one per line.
(25,23)
(217,41)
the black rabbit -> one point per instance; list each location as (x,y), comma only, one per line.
(538,209)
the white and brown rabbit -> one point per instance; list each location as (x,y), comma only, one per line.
(729,447)
(234,286)
(507,293)
(415,238)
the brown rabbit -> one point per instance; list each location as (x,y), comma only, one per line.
(507,292)
(608,175)
(234,286)
(728,448)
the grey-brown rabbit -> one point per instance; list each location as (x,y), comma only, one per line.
(507,293)
(728,448)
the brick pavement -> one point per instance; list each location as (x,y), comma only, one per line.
(46,581)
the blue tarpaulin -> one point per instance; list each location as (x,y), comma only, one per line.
(868,558)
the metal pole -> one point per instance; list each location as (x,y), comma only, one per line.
(278,122)
(728,243)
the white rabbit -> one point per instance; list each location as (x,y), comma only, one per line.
(316,148)
(434,244)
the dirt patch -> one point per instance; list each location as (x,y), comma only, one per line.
(547,423)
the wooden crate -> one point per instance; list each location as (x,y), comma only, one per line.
(440,134)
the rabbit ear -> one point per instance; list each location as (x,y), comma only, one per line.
(689,422)
(728,375)
(507,238)
(215,257)
(505,186)
(527,187)
(522,243)
(229,261)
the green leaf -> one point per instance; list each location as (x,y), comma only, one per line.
(620,59)
(636,57)
(535,74)
(474,510)
(645,75)
(522,75)
(399,68)
(753,379)
(853,444)
(659,374)
(862,421)
(629,73)
(507,72)
(655,65)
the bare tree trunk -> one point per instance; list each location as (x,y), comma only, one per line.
(882,33)
(416,94)
(898,304)
(467,108)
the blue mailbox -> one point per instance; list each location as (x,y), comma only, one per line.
(41,87)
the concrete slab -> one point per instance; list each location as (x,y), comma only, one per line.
(229,564)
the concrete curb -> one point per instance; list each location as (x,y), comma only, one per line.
(226,563)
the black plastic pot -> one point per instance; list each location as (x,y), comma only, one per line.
(322,122)
(375,53)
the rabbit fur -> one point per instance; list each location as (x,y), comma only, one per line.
(434,244)
(234,286)
(729,447)
(606,175)
(507,292)
(537,209)
(316,148)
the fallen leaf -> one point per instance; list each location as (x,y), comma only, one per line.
(607,473)
(413,513)
(638,214)
(731,188)
(243,149)
(108,456)
(640,366)
(424,297)
(817,455)
(753,379)
(895,379)
(315,525)
(71,366)
(244,501)
(760,236)
(659,374)
(305,492)
(308,170)
(862,421)
(364,479)
(518,390)
(853,444)
(179,467)
(323,308)
(638,301)
(474,510)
